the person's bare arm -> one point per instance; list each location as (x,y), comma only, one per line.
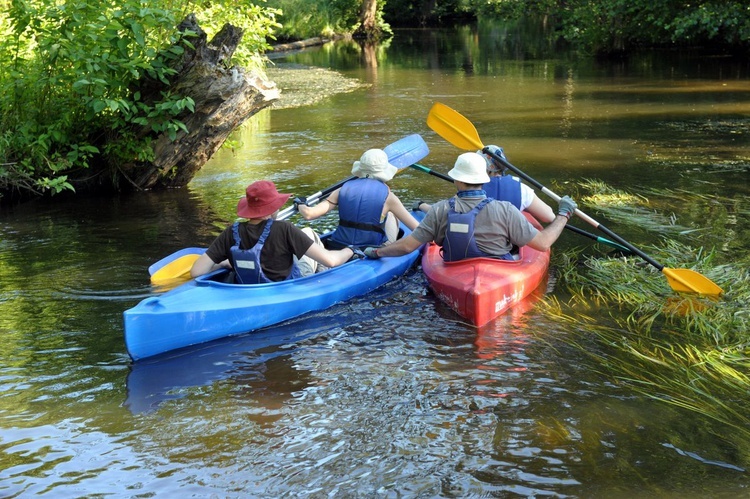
(546,238)
(395,206)
(320,209)
(329,258)
(204,265)
(401,247)
(422,206)
(541,211)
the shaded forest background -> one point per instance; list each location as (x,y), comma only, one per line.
(93,94)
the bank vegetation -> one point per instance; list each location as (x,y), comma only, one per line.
(74,113)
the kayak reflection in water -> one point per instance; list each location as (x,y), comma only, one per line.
(472,225)
(262,249)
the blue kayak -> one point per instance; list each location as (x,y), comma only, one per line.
(206,308)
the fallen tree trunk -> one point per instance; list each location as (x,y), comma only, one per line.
(224,98)
(309,42)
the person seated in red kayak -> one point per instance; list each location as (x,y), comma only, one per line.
(368,211)
(508,188)
(472,225)
(263,249)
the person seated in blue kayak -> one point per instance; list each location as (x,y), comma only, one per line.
(368,211)
(472,225)
(263,249)
(508,188)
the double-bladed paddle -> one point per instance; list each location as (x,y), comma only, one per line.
(460,132)
(318,196)
(572,228)
(401,154)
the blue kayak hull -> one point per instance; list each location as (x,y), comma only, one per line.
(205,309)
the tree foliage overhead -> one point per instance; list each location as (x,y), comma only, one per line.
(420,13)
(306,18)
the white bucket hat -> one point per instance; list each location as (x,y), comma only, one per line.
(470,168)
(374,164)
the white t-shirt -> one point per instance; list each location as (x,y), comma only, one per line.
(527,194)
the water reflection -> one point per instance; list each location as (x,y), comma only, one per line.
(258,363)
(392,395)
(505,335)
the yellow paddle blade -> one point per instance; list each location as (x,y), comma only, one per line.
(453,127)
(690,281)
(174,270)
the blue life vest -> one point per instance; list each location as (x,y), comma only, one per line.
(504,188)
(361,204)
(459,242)
(246,263)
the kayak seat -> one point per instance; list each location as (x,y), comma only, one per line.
(515,252)
(333,245)
(225,276)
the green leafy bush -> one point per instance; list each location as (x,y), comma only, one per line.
(308,18)
(69,93)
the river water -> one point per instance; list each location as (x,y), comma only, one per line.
(390,395)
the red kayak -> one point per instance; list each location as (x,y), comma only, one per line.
(481,289)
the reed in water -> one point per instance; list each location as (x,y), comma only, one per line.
(686,350)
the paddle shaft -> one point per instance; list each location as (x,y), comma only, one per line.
(572,228)
(460,132)
(289,211)
(578,212)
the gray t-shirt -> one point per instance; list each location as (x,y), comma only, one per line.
(497,228)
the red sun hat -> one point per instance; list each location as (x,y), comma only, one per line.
(261,199)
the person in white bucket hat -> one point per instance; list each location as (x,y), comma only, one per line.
(374,164)
(505,187)
(368,211)
(488,227)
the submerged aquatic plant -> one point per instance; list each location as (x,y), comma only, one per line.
(687,350)
(620,206)
(699,137)
(667,350)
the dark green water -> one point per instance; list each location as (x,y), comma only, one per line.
(389,395)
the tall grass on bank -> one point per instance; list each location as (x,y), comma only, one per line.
(686,350)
